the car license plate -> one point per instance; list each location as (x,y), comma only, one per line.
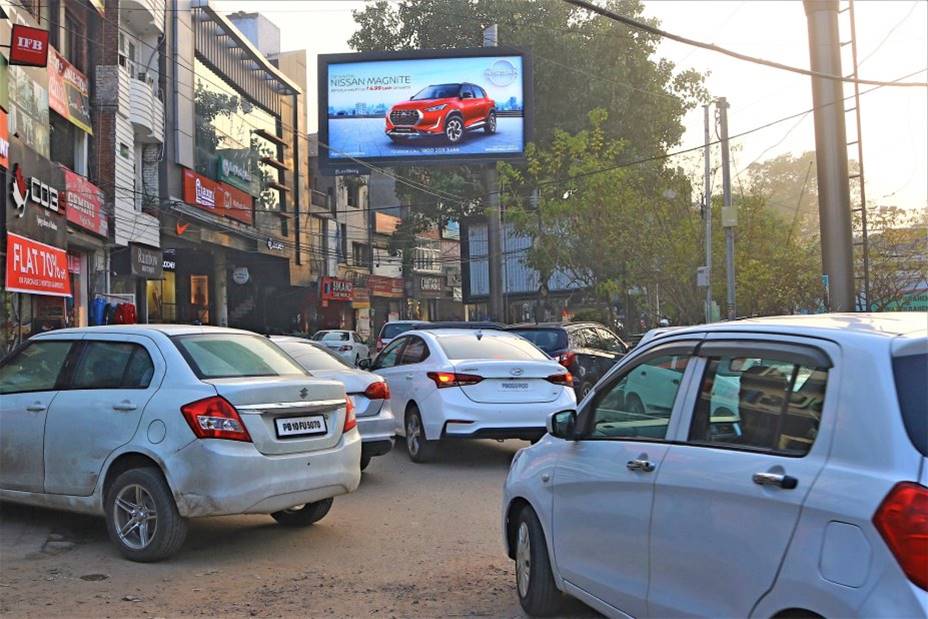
(514,386)
(307,425)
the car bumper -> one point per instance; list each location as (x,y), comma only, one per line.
(217,477)
(377,432)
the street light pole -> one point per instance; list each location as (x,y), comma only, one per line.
(729,214)
(494,219)
(707,213)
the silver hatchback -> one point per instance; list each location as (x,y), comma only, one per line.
(150,425)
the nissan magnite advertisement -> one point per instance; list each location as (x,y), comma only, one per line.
(455,107)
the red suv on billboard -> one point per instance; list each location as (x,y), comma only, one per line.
(447,110)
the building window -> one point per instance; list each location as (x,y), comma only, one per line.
(360,254)
(343,243)
(427,257)
(75,40)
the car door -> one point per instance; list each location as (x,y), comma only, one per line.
(603,487)
(386,365)
(414,380)
(29,382)
(469,104)
(728,496)
(113,378)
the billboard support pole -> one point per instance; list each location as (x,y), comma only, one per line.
(494,218)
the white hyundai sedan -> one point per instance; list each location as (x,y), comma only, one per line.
(463,383)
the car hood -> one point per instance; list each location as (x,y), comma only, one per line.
(421,103)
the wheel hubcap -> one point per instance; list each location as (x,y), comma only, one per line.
(135,517)
(453,130)
(412,434)
(523,559)
(492,123)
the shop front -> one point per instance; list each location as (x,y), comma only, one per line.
(387,295)
(335,298)
(133,268)
(87,229)
(426,294)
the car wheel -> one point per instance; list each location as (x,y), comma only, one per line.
(454,129)
(490,126)
(585,390)
(141,516)
(419,448)
(365,461)
(303,515)
(633,404)
(538,594)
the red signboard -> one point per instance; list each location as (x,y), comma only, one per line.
(389,287)
(4,140)
(74,263)
(29,46)
(83,202)
(218,198)
(36,268)
(68,91)
(334,289)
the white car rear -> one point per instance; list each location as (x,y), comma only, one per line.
(346,344)
(461,383)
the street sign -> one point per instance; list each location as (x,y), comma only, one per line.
(702,277)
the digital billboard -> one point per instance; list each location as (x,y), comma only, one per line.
(423,107)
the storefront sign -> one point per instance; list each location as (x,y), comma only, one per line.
(74,263)
(33,207)
(386,287)
(145,262)
(360,298)
(385,224)
(25,190)
(4,140)
(430,285)
(169,262)
(28,46)
(36,268)
(83,202)
(274,244)
(240,275)
(218,198)
(68,91)
(334,289)
(234,168)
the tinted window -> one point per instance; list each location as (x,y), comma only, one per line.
(388,357)
(416,351)
(336,336)
(640,403)
(392,329)
(438,91)
(113,365)
(230,355)
(35,368)
(467,92)
(609,341)
(319,335)
(469,346)
(912,390)
(549,340)
(313,357)
(757,403)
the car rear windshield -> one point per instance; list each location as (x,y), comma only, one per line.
(313,357)
(234,355)
(392,329)
(912,390)
(549,340)
(441,91)
(470,346)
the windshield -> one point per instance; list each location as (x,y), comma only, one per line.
(234,355)
(313,358)
(440,91)
(502,347)
(549,340)
(335,336)
(392,329)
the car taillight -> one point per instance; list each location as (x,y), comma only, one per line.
(452,379)
(566,379)
(351,421)
(377,391)
(215,417)
(567,359)
(379,344)
(902,520)
(344,348)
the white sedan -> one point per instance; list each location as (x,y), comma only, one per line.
(463,383)
(346,344)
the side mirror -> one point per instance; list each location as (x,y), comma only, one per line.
(563,424)
(365,364)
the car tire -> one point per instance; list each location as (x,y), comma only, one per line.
(538,594)
(454,129)
(419,448)
(365,461)
(584,391)
(490,126)
(303,515)
(137,501)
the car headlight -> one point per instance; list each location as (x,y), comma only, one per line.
(436,108)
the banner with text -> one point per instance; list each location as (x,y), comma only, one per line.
(36,268)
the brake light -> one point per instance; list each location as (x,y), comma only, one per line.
(344,348)
(902,520)
(567,359)
(215,417)
(452,379)
(566,379)
(377,391)
(351,421)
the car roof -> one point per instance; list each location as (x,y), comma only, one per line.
(454,331)
(555,325)
(169,330)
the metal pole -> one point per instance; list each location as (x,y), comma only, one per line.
(865,243)
(707,203)
(831,154)
(494,220)
(729,219)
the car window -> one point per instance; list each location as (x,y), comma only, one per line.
(639,404)
(313,357)
(416,351)
(234,355)
(392,329)
(113,365)
(909,372)
(470,346)
(336,336)
(319,335)
(34,368)
(757,403)
(610,342)
(467,92)
(389,356)
(549,340)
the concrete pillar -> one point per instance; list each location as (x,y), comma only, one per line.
(221,289)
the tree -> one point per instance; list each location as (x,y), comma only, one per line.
(898,257)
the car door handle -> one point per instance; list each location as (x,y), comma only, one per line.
(38,407)
(645,466)
(124,406)
(409,377)
(787,482)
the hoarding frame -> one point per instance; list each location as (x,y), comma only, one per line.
(356,166)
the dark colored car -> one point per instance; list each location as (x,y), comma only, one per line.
(448,110)
(587,349)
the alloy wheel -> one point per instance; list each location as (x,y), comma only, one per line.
(412,434)
(135,516)
(491,122)
(454,130)
(523,559)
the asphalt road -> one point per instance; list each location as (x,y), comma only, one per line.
(412,541)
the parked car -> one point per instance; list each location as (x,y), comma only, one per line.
(391,329)
(149,425)
(817,507)
(346,344)
(587,349)
(444,110)
(458,383)
(368,392)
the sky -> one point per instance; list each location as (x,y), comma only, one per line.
(892,38)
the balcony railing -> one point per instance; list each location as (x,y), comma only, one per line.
(145,112)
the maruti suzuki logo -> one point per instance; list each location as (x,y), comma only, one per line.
(304,392)
(501,73)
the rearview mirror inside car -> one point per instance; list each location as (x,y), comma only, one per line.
(563,424)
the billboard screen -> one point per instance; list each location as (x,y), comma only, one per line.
(423,107)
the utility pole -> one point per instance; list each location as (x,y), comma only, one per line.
(494,218)
(831,155)
(729,214)
(707,204)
